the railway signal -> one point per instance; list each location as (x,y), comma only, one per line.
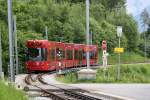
(104,57)
(105,54)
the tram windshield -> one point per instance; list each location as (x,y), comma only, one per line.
(36,54)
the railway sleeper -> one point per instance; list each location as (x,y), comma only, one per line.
(80,96)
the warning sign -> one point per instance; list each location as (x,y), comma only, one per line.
(119,50)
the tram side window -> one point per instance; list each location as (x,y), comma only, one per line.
(84,54)
(69,55)
(76,54)
(44,54)
(80,55)
(92,54)
(52,54)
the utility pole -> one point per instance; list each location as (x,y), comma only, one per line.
(9,4)
(87,32)
(16,47)
(1,70)
(46,35)
(85,73)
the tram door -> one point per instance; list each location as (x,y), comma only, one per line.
(80,56)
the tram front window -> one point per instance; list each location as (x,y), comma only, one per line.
(37,54)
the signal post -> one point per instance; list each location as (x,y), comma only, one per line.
(118,50)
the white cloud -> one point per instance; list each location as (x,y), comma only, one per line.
(135,7)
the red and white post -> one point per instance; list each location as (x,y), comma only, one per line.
(104,57)
(105,54)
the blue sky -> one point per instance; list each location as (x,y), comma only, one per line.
(135,7)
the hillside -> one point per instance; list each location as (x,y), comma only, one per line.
(65,20)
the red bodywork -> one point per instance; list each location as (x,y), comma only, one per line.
(60,55)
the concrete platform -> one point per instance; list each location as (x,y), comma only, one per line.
(86,74)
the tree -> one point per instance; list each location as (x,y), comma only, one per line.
(146,22)
(131,32)
(145,17)
(148,32)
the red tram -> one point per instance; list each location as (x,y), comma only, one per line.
(44,55)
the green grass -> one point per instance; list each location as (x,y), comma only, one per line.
(126,57)
(10,93)
(129,74)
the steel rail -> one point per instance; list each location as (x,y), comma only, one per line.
(40,79)
(66,94)
(75,94)
(27,79)
(52,95)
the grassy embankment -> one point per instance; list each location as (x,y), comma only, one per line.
(139,73)
(10,93)
(126,58)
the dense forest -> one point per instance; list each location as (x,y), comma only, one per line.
(65,20)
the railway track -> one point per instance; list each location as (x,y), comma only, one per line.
(63,93)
